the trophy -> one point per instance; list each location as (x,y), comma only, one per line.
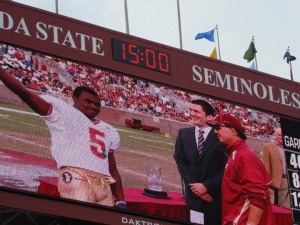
(154,182)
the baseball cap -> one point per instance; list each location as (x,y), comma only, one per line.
(227,120)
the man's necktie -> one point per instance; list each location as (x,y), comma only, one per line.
(200,141)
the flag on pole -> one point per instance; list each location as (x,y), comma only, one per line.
(288,56)
(214,54)
(250,53)
(209,35)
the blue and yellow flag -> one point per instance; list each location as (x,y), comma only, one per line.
(209,35)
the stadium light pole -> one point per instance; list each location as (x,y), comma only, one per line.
(56,6)
(126,16)
(179,24)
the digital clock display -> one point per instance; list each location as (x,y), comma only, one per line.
(141,56)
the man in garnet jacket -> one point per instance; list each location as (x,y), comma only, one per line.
(245,185)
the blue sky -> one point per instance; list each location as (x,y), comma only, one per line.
(274,25)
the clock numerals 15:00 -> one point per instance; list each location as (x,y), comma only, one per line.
(141,56)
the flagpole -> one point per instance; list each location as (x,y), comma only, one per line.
(255,55)
(126,16)
(291,71)
(218,42)
(179,24)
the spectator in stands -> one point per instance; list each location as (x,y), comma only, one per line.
(157,91)
(274,161)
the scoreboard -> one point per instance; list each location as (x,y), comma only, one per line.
(291,143)
(80,42)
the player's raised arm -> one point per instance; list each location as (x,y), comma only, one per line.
(35,102)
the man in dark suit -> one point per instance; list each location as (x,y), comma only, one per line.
(201,166)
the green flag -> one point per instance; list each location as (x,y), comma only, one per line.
(250,53)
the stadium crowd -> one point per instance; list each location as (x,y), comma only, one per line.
(60,77)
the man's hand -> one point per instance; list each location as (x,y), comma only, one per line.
(206,197)
(198,189)
(201,191)
(254,215)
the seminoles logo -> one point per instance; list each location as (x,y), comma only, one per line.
(67,177)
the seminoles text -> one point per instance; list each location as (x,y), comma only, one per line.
(246,87)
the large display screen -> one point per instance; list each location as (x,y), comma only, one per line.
(146,115)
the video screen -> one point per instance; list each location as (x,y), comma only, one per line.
(147,117)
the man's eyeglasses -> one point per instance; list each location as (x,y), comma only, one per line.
(219,127)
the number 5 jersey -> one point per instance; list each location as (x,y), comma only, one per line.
(76,140)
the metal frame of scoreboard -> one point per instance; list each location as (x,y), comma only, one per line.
(63,37)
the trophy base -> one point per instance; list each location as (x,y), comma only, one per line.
(156,194)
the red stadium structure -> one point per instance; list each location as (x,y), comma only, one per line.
(93,46)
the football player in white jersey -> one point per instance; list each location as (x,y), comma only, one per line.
(82,145)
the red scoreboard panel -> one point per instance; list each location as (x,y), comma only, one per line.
(88,45)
